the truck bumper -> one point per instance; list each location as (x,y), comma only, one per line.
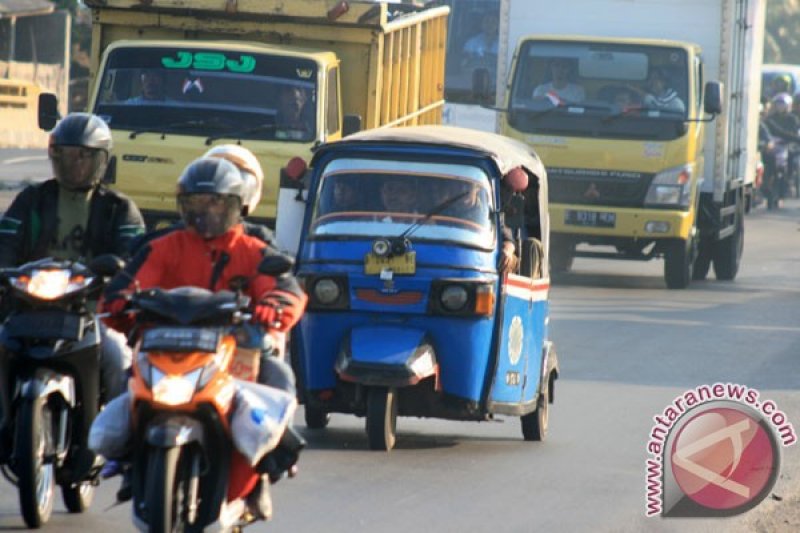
(627,222)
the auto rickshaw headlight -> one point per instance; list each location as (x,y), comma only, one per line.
(454,297)
(326,291)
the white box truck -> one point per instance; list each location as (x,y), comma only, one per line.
(634,176)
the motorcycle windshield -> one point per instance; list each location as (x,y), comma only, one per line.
(371,198)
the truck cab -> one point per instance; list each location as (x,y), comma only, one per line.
(173,78)
(168,102)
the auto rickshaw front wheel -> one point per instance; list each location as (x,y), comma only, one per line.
(316,417)
(534,425)
(381,418)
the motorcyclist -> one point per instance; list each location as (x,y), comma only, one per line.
(213,252)
(783,125)
(72,216)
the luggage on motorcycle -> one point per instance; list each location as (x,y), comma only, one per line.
(260,417)
(111,432)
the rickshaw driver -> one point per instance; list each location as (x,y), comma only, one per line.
(399,195)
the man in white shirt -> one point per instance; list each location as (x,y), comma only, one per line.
(559,89)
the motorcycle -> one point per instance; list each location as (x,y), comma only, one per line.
(188,471)
(50,345)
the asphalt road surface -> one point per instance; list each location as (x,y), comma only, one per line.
(627,347)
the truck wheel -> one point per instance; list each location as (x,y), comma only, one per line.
(702,262)
(561,256)
(381,418)
(534,425)
(677,264)
(728,252)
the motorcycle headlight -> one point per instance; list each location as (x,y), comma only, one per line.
(174,390)
(671,187)
(50,284)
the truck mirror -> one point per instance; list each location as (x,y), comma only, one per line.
(110,175)
(712,98)
(352,124)
(48,111)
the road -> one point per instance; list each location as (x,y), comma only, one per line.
(627,348)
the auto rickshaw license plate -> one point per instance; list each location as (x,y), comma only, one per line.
(399,264)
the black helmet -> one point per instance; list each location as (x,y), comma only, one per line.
(78,150)
(211,192)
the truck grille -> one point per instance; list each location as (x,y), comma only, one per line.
(598,187)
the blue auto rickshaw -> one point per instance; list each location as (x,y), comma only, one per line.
(408,313)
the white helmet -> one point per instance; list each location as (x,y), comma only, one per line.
(248,165)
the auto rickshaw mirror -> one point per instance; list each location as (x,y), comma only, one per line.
(352,124)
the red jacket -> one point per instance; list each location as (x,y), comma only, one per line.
(183,258)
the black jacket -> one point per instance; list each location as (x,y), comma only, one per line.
(31,224)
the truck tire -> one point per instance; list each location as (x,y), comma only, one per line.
(678,264)
(728,251)
(702,263)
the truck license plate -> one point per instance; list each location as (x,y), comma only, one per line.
(594,219)
(399,264)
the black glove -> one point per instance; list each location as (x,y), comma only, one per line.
(283,458)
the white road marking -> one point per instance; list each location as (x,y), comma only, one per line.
(15,160)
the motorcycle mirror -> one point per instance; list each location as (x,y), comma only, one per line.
(276,265)
(106,265)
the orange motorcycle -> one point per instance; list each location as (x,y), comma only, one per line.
(187,473)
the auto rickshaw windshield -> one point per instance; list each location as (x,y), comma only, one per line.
(454,205)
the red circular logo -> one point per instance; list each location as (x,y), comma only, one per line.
(723,458)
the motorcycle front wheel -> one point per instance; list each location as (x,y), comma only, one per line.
(163,501)
(36,480)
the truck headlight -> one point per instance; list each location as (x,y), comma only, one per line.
(672,186)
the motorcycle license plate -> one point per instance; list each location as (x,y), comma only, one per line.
(399,264)
(45,325)
(592,219)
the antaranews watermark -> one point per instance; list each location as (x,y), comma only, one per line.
(714,451)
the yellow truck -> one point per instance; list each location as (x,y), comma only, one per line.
(646,157)
(173,78)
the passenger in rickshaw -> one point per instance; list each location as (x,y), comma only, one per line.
(471,203)
(346,196)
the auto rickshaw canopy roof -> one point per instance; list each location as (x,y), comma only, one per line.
(507,153)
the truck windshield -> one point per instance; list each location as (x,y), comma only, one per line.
(196,91)
(600,90)
(366,198)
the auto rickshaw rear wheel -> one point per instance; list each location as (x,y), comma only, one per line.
(534,425)
(381,418)
(316,418)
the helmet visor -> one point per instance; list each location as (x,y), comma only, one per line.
(77,167)
(210,215)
